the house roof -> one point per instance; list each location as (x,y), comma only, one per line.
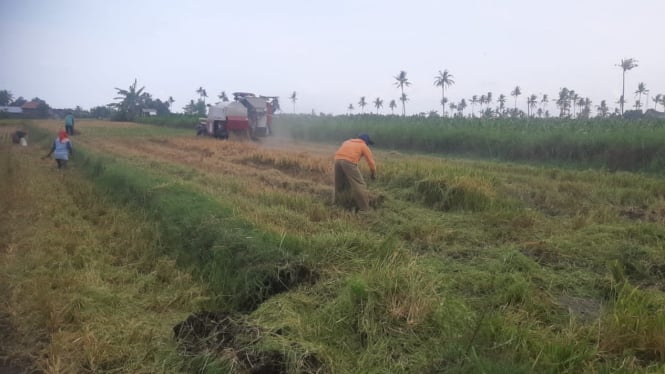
(30,105)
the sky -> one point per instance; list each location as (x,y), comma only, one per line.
(331,53)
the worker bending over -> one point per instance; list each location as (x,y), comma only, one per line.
(347,175)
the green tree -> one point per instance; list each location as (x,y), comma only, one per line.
(641,90)
(392,106)
(378,104)
(502,102)
(202,93)
(170,101)
(129,105)
(474,101)
(625,65)
(350,108)
(402,81)
(563,102)
(532,102)
(461,106)
(6,97)
(443,79)
(516,92)
(602,109)
(362,103)
(403,99)
(222,96)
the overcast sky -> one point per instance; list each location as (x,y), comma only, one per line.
(74,52)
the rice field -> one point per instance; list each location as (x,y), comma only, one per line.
(158,251)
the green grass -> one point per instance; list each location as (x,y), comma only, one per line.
(467,266)
(609,144)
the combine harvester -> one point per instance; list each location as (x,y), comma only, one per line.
(247,116)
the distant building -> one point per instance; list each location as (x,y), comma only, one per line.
(11,109)
(149,112)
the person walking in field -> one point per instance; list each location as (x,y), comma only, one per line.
(347,174)
(61,150)
(69,124)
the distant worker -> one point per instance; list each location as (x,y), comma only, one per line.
(61,150)
(347,174)
(69,123)
(20,137)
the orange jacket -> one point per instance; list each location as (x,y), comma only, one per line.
(353,150)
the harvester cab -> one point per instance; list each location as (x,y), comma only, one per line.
(247,116)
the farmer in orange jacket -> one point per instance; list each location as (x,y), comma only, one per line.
(347,174)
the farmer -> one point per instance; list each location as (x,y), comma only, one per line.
(61,150)
(347,175)
(69,123)
(20,137)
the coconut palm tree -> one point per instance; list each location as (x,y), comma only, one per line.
(294,98)
(502,102)
(170,101)
(202,92)
(544,101)
(573,96)
(461,106)
(474,101)
(362,103)
(350,108)
(656,101)
(641,90)
(403,99)
(222,96)
(531,102)
(516,92)
(625,65)
(443,102)
(482,100)
(378,103)
(402,81)
(443,80)
(602,109)
(563,102)
(392,106)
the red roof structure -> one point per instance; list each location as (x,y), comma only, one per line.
(30,105)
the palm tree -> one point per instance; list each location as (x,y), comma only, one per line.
(362,104)
(502,101)
(202,92)
(461,106)
(625,65)
(378,103)
(603,109)
(443,102)
(474,101)
(403,99)
(641,90)
(662,101)
(563,102)
(222,96)
(442,80)
(516,92)
(531,102)
(573,96)
(452,107)
(621,103)
(656,100)
(293,99)
(402,81)
(392,106)
(481,101)
(544,101)
(350,108)
(170,101)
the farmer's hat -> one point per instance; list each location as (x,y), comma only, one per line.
(366,138)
